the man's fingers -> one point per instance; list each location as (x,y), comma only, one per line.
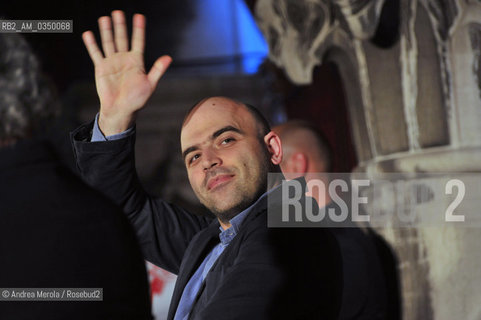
(105,27)
(120,31)
(138,33)
(158,69)
(92,48)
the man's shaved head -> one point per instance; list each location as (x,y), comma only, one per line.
(261,122)
(302,136)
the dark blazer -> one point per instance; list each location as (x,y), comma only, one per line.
(364,292)
(264,273)
(56,232)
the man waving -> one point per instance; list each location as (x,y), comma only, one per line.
(232,267)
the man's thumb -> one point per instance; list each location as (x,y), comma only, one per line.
(158,69)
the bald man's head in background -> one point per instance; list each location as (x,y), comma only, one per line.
(305,152)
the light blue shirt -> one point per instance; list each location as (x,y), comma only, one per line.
(98,135)
(193,286)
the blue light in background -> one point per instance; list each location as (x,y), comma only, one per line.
(224,36)
(253,47)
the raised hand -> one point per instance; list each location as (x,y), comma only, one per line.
(122,84)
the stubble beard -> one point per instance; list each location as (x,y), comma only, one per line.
(245,196)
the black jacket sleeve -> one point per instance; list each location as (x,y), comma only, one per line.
(163,230)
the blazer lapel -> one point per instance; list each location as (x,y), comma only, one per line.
(206,240)
(200,246)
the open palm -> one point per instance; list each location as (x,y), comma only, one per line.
(122,84)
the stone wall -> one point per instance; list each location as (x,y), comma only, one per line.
(412,77)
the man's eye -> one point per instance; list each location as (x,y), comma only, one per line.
(195,157)
(228,140)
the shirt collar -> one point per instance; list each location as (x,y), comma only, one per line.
(228,234)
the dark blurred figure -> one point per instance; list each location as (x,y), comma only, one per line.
(306,153)
(55,232)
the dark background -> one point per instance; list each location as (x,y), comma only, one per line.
(66,62)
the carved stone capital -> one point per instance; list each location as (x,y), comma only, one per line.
(361,16)
(297,31)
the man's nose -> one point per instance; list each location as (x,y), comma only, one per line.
(210,160)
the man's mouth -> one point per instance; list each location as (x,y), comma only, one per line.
(218,180)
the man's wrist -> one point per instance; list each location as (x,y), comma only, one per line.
(98,135)
(115,125)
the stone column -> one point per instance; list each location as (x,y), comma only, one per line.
(412,75)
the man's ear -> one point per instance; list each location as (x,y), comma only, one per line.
(273,143)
